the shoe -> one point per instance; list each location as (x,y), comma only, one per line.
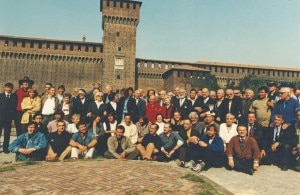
(250,171)
(6,151)
(284,168)
(179,163)
(190,164)
(74,158)
(199,167)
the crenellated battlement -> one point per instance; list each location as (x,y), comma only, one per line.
(120,11)
(46,46)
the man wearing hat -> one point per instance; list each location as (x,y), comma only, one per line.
(81,105)
(21,93)
(273,94)
(8,103)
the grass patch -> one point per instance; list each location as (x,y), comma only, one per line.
(7,168)
(205,188)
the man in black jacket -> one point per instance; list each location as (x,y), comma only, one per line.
(8,104)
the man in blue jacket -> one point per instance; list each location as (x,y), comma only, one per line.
(29,146)
(212,149)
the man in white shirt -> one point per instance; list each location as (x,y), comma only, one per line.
(130,129)
(228,129)
(49,105)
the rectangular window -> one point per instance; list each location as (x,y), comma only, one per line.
(94,48)
(87,48)
(119,48)
(31,44)
(79,47)
(15,43)
(119,63)
(226,70)
(55,46)
(40,45)
(71,47)
(118,76)
(48,45)
(216,69)
(117,34)
(23,44)
(64,47)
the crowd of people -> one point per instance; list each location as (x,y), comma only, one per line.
(199,129)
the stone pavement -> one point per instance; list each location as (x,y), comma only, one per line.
(133,177)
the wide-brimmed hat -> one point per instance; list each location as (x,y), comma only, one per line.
(26,79)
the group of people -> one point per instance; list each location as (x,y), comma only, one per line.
(198,130)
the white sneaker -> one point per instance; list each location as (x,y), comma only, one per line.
(199,167)
(190,164)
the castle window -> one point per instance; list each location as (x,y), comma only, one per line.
(71,47)
(48,45)
(127,5)
(79,48)
(119,63)
(118,76)
(94,48)
(119,48)
(293,74)
(226,69)
(115,3)
(238,70)
(273,73)
(134,6)
(23,44)
(15,43)
(31,44)
(87,48)
(40,45)
(173,66)
(221,69)
(268,72)
(216,69)
(64,47)
(6,43)
(118,34)
(55,46)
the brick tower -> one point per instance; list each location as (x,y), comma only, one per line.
(120,19)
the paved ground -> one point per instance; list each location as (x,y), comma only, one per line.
(131,177)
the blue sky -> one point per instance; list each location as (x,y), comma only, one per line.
(265,32)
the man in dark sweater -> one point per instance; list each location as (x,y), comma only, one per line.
(243,152)
(59,143)
(151,144)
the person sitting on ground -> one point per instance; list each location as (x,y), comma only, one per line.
(212,148)
(52,125)
(59,140)
(243,152)
(120,146)
(191,137)
(171,146)
(71,128)
(150,144)
(29,146)
(130,129)
(96,127)
(83,142)
(279,143)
